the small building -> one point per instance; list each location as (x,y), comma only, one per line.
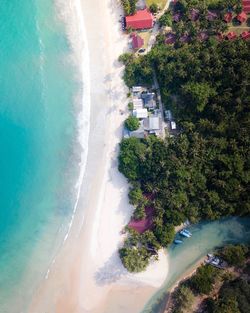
(168,115)
(242,17)
(170,38)
(211,16)
(177,17)
(245,35)
(173,125)
(203,36)
(142,19)
(185,38)
(228,17)
(194,14)
(231,36)
(137,104)
(140,113)
(136,91)
(137,41)
(149,100)
(153,125)
(246,6)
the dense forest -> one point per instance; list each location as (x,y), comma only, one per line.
(203,172)
(212,290)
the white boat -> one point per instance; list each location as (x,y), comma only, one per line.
(185,234)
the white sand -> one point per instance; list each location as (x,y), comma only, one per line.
(88,275)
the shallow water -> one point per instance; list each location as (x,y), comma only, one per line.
(38,170)
(206,237)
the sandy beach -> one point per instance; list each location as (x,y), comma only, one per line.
(87,275)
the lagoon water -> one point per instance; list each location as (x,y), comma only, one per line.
(206,237)
(38,144)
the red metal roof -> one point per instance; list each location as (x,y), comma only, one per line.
(242,17)
(140,20)
(245,35)
(145,224)
(137,41)
(231,35)
(246,6)
(228,17)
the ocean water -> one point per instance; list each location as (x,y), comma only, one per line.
(40,95)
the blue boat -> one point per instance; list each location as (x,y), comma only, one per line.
(177,241)
(184,234)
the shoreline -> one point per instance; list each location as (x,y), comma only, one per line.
(93,268)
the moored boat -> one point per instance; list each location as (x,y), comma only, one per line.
(177,241)
(185,234)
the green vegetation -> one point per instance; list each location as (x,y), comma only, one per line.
(129,6)
(204,278)
(153,8)
(160,3)
(166,19)
(235,254)
(137,250)
(204,172)
(132,123)
(211,290)
(184,299)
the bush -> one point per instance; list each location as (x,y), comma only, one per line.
(184,298)
(166,19)
(130,106)
(132,123)
(235,255)
(134,259)
(203,280)
(139,213)
(153,8)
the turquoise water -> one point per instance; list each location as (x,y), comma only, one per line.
(37,136)
(206,237)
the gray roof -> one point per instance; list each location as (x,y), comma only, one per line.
(152,123)
(148,98)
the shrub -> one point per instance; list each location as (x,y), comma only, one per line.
(134,259)
(235,255)
(132,123)
(153,8)
(202,282)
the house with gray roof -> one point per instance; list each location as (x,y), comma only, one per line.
(153,125)
(149,100)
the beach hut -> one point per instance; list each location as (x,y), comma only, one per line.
(142,19)
(245,35)
(242,17)
(231,36)
(140,113)
(228,17)
(211,16)
(194,15)
(137,41)
(170,38)
(246,6)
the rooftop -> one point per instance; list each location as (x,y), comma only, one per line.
(140,113)
(142,19)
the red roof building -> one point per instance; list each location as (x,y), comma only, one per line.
(137,41)
(142,19)
(170,38)
(246,6)
(242,17)
(145,224)
(231,36)
(228,17)
(245,35)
